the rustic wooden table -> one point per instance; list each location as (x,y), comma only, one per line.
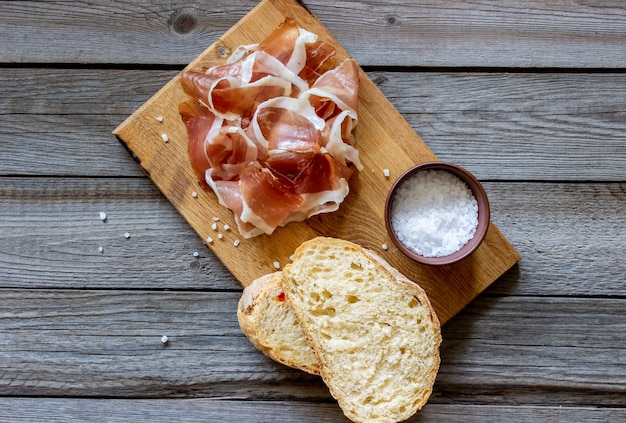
(530,97)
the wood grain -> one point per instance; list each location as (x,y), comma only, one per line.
(529,96)
(108,343)
(568,232)
(432,33)
(563,126)
(194,410)
(384,140)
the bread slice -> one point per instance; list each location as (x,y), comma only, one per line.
(373,331)
(266,319)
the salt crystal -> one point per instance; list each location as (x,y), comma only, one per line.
(164,339)
(276,265)
(209,240)
(214,226)
(103,216)
(165,138)
(385,247)
(194,194)
(226,227)
(386,173)
(159,118)
(127,235)
(434,213)
(236,243)
(220,236)
(101,249)
(196,254)
(216,219)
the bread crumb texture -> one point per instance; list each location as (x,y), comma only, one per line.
(266,319)
(375,335)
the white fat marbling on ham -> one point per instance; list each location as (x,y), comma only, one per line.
(298,106)
(261,63)
(320,202)
(336,142)
(270,131)
(298,57)
(253,93)
(240,52)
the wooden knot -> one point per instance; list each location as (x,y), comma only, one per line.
(392,20)
(182,22)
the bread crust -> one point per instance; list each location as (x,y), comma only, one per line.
(331,379)
(260,315)
(256,298)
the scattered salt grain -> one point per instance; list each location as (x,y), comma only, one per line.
(194,194)
(434,213)
(127,235)
(165,138)
(103,216)
(276,265)
(209,240)
(216,219)
(236,243)
(386,173)
(196,254)
(214,226)
(226,227)
(159,118)
(220,236)
(385,247)
(164,339)
(101,249)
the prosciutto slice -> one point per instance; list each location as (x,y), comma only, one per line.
(270,131)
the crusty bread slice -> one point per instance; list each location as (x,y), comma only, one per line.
(373,331)
(266,319)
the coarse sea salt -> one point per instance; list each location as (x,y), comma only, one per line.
(434,213)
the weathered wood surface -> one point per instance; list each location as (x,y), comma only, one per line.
(385,141)
(546,133)
(571,236)
(577,34)
(108,343)
(194,410)
(502,126)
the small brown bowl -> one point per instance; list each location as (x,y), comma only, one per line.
(483,213)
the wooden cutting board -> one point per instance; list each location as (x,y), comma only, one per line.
(384,139)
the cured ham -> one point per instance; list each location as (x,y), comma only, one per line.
(270,131)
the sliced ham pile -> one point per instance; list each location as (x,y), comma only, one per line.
(270,131)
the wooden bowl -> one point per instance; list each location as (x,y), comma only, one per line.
(483,213)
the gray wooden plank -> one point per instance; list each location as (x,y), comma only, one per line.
(398,33)
(570,236)
(557,126)
(533,347)
(194,410)
(517,126)
(64,145)
(107,343)
(52,234)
